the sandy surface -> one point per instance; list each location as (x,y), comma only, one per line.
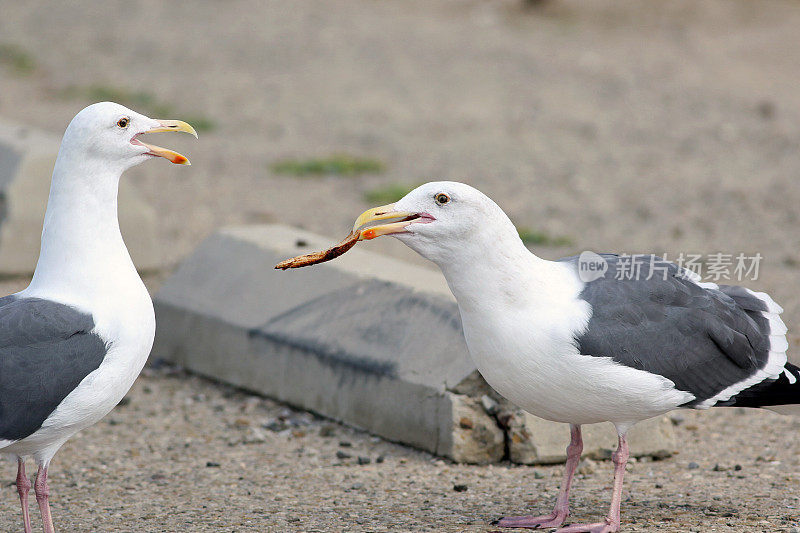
(669,127)
(150,466)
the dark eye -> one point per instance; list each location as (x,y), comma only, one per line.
(123,122)
(441,198)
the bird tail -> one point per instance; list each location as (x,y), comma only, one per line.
(776,386)
(781,395)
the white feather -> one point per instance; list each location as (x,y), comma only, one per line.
(776,325)
(772,306)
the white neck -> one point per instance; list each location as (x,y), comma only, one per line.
(495,271)
(83,256)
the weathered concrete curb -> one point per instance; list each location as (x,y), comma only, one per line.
(27,157)
(367,340)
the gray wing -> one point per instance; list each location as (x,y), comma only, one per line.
(703,340)
(46,349)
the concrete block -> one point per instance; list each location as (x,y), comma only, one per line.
(469,433)
(27,157)
(367,340)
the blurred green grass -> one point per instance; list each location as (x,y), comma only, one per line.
(16,58)
(333,165)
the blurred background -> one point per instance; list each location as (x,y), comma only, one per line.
(604,125)
(664,127)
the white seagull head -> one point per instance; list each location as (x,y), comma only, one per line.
(108,133)
(443,221)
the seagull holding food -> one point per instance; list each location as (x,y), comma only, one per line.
(585,345)
(73,342)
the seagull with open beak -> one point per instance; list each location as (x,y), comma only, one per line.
(73,342)
(163,126)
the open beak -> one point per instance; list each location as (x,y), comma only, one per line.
(165,126)
(384,212)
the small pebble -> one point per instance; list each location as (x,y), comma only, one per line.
(489,405)
(537,475)
(460,488)
(342,455)
(677,419)
(345,444)
(737,467)
(364,460)
(212,464)
(274,425)
(693,466)
(297,421)
(380,459)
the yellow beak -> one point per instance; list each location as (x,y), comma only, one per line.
(166,126)
(384,212)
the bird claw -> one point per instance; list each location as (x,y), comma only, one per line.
(532,522)
(599,527)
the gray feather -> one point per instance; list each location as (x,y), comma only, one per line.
(703,340)
(46,349)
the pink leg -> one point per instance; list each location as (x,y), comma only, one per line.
(42,493)
(561,510)
(612,521)
(23,487)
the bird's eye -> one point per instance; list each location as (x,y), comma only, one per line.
(441,198)
(123,122)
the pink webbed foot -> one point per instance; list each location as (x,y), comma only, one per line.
(533,522)
(561,510)
(599,527)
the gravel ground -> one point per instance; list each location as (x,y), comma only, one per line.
(669,127)
(185,454)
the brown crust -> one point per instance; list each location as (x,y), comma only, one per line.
(320,257)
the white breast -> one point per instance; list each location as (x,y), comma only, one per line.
(527,352)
